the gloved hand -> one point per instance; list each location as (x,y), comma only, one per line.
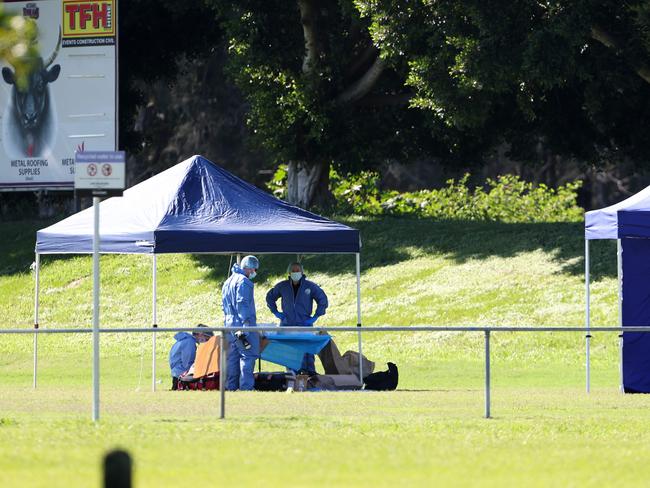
(280,315)
(311,320)
(241,335)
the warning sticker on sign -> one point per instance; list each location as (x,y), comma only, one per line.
(100,173)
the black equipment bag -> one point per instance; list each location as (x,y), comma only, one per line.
(271,381)
(382,380)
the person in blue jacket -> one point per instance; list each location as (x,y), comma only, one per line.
(239,310)
(183,352)
(298,296)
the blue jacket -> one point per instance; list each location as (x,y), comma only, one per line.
(299,308)
(238,301)
(182,353)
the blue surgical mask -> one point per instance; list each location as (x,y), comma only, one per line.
(252,275)
(296,276)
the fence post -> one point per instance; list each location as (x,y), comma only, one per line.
(222,374)
(154,318)
(117,469)
(587,319)
(37,284)
(487,374)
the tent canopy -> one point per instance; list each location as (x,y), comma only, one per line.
(629,221)
(606,222)
(198,207)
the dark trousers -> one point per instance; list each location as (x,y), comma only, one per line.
(174,383)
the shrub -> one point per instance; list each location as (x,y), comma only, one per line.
(506,198)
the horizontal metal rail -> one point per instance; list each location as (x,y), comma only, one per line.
(272,328)
(415,328)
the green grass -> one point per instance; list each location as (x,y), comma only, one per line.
(547,437)
(546,431)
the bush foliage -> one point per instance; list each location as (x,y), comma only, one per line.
(504,199)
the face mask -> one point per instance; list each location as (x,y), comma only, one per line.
(296,276)
(252,275)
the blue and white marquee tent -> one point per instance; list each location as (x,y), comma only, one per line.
(197,207)
(629,223)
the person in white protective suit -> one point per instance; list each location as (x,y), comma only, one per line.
(239,310)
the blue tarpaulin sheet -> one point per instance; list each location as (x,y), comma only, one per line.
(288,349)
(198,207)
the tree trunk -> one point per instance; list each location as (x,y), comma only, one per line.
(307,184)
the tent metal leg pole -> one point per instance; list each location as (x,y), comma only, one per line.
(222,374)
(358,259)
(96,311)
(154,312)
(587,318)
(619,260)
(37,284)
(487,374)
(238,258)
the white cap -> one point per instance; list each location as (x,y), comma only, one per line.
(250,262)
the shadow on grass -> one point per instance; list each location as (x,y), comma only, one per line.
(17,244)
(386,241)
(390,241)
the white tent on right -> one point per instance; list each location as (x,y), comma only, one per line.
(629,223)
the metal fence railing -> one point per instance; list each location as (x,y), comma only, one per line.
(487,331)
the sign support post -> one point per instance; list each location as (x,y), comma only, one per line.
(96,311)
(98,174)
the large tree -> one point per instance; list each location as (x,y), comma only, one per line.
(319,90)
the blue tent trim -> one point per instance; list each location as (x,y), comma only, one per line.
(288,349)
(634,224)
(198,207)
(636,312)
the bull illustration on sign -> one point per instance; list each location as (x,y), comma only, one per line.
(29,125)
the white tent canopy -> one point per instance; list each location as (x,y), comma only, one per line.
(603,223)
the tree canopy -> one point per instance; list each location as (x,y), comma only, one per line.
(571,74)
(355,83)
(319,90)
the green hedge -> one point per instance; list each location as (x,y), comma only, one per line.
(504,199)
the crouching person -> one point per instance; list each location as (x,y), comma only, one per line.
(238,305)
(183,352)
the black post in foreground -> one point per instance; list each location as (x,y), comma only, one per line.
(117,469)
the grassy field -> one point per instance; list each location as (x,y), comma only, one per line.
(545,430)
(538,437)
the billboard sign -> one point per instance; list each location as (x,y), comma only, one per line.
(100,173)
(70,101)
